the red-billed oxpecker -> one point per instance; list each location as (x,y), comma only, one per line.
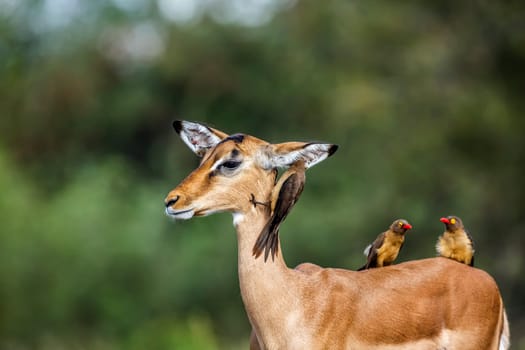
(387,245)
(455,243)
(284,196)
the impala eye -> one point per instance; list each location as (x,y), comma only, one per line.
(229,166)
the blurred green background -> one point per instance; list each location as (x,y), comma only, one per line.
(425,99)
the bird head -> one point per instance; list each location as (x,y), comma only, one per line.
(400,226)
(452,223)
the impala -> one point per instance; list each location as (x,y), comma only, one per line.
(434,303)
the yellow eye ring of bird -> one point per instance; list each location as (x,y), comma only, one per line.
(453,221)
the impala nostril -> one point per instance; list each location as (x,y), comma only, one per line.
(172,201)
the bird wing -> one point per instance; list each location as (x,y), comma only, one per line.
(470,239)
(372,255)
(472,245)
(289,192)
(371,260)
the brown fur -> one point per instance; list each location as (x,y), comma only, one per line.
(425,304)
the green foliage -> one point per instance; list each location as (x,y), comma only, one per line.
(425,101)
(91,257)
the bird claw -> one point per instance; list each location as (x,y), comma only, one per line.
(255,202)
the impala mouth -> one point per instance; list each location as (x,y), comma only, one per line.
(180,214)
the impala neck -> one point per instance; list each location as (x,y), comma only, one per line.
(266,288)
(249,226)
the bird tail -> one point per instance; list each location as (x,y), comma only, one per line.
(268,241)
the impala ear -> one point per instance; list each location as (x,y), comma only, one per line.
(198,137)
(283,155)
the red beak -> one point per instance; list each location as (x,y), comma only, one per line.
(445,220)
(407,226)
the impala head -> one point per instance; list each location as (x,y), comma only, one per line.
(400,226)
(452,223)
(232,169)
